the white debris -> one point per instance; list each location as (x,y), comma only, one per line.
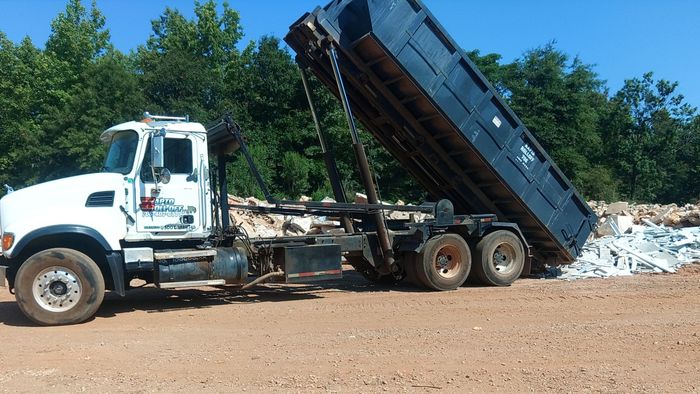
(360,198)
(322,225)
(263,231)
(616,207)
(296,225)
(671,215)
(651,249)
(275,225)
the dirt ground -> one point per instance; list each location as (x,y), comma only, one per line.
(614,335)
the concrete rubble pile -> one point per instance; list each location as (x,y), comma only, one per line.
(273,225)
(625,215)
(631,239)
(642,249)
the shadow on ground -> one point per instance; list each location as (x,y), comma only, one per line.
(153,300)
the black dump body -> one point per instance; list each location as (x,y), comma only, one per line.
(425,101)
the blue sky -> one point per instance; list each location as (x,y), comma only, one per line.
(622,38)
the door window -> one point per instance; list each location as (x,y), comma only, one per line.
(177,155)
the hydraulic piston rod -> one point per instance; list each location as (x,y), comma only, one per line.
(361,157)
(331,166)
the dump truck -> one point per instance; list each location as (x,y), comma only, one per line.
(158,211)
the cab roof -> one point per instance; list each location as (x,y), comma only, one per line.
(190,127)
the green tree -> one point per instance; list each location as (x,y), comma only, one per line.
(688,187)
(295,177)
(240,179)
(109,94)
(90,86)
(490,65)
(22,90)
(77,38)
(563,102)
(652,124)
(184,63)
(274,110)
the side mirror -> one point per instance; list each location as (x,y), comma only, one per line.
(164,176)
(160,173)
(157,154)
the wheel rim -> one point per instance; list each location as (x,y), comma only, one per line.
(448,261)
(504,257)
(57,289)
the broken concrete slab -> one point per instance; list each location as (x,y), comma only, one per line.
(624,223)
(616,208)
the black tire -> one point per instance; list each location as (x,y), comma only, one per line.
(499,258)
(410,262)
(59,286)
(444,262)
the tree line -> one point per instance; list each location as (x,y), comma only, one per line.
(640,143)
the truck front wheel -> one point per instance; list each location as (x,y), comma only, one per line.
(499,258)
(59,286)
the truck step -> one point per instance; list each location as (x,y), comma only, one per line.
(193,283)
(182,254)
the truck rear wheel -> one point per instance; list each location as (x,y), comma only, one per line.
(499,258)
(443,264)
(59,286)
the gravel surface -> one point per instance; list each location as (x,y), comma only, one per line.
(598,335)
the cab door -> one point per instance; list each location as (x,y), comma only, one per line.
(173,208)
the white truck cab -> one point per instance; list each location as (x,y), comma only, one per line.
(108,216)
(123,202)
(174,206)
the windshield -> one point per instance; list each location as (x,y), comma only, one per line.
(122,149)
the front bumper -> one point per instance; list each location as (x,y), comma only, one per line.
(3,275)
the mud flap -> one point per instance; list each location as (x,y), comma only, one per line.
(310,263)
(116,268)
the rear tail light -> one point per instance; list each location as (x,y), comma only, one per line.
(148,203)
